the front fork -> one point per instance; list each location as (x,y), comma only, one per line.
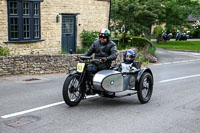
(87,78)
(82,76)
(81,79)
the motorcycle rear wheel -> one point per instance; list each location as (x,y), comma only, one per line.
(72,91)
(145,88)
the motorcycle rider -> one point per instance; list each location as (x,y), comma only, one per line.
(104,49)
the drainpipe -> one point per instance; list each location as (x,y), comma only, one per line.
(109,16)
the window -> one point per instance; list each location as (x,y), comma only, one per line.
(68,25)
(14,28)
(13,8)
(24,20)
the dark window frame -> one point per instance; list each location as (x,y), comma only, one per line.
(26,33)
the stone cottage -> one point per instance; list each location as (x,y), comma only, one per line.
(49,26)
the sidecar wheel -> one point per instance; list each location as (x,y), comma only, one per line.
(145,88)
(72,94)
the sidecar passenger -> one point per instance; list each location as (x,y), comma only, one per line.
(127,66)
(128,63)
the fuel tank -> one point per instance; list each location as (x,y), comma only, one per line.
(112,81)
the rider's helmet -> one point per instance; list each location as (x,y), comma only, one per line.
(105,33)
(129,56)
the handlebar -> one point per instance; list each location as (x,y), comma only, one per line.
(87,59)
(96,61)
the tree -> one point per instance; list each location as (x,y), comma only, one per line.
(137,16)
(196,27)
(133,15)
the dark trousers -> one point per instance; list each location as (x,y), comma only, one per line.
(103,66)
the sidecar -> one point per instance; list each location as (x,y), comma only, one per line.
(138,81)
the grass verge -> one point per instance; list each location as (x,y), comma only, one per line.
(180,45)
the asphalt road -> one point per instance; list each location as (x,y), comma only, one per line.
(37,106)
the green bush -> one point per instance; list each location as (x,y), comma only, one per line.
(195,34)
(134,41)
(82,50)
(146,55)
(62,52)
(158,32)
(121,46)
(140,42)
(4,51)
(152,51)
(145,49)
(142,58)
(88,37)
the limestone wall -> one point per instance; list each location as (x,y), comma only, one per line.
(39,64)
(3,21)
(92,15)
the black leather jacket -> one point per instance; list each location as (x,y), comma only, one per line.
(108,50)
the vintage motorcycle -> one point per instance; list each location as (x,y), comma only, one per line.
(182,36)
(166,36)
(85,79)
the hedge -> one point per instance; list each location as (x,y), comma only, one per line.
(4,51)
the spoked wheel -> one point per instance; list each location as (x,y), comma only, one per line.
(145,88)
(72,91)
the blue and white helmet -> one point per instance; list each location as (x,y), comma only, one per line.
(129,56)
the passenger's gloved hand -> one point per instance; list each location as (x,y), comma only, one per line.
(104,59)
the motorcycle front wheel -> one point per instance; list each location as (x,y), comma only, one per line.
(145,88)
(73,92)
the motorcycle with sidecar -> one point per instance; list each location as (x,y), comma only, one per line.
(85,80)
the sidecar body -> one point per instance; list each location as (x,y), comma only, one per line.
(108,80)
(115,81)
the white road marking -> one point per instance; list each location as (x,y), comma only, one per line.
(178,52)
(161,52)
(159,64)
(196,54)
(31,110)
(191,76)
(192,54)
(37,108)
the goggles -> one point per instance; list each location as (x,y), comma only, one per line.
(102,37)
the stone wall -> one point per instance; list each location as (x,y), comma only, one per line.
(3,21)
(39,64)
(34,64)
(92,15)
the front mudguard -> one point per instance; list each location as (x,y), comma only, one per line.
(73,71)
(140,73)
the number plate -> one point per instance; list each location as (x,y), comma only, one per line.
(80,67)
